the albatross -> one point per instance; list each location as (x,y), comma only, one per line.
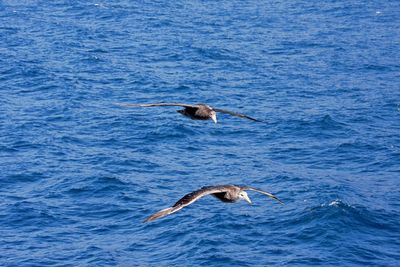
(225,193)
(195,112)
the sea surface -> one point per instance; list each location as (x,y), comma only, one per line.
(79,174)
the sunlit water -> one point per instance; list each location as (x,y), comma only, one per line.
(79,174)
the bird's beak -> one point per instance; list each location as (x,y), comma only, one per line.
(214,117)
(247,199)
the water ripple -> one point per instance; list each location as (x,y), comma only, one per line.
(79,174)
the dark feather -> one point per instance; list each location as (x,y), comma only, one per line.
(189,199)
(235,114)
(226,193)
(262,192)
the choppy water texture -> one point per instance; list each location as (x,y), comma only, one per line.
(79,174)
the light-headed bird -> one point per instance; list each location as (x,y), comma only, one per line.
(195,112)
(225,193)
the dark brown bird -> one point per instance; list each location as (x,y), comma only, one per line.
(225,193)
(195,112)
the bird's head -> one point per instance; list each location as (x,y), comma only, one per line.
(243,195)
(213,116)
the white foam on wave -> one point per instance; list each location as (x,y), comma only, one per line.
(335,203)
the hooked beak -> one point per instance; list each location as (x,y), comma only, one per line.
(214,117)
(245,197)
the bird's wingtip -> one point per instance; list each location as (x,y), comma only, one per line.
(146,220)
(151,218)
(277,199)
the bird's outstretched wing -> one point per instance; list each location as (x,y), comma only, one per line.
(162,213)
(262,192)
(157,105)
(235,114)
(188,199)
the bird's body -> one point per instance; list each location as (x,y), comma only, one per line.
(225,193)
(224,198)
(195,112)
(202,112)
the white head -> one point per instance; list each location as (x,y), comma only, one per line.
(243,195)
(213,116)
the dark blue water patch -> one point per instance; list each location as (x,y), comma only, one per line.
(31,216)
(216,54)
(344,215)
(79,175)
(23,177)
(324,127)
(336,222)
(321,127)
(355,146)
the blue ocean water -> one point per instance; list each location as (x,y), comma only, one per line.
(79,174)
